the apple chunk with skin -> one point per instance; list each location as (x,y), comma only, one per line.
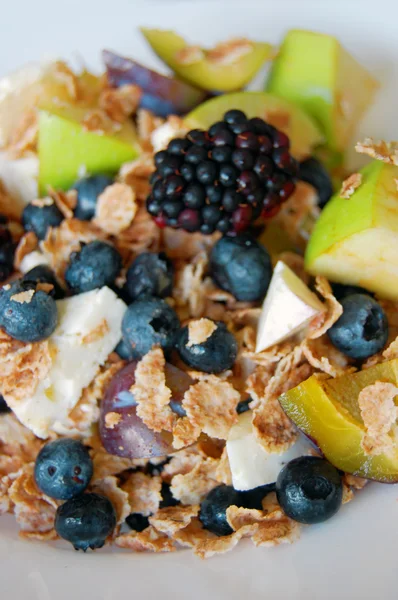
(328,412)
(289,306)
(355,240)
(225,68)
(315,72)
(65,148)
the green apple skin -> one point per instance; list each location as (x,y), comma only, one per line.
(204,73)
(65,148)
(303,132)
(355,240)
(314,71)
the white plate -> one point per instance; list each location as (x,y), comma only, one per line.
(354,555)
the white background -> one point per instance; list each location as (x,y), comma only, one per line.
(354,555)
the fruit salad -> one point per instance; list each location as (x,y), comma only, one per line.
(198,302)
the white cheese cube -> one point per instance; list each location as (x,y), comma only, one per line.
(251,465)
(19,177)
(75,359)
(288,308)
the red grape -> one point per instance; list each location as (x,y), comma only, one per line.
(130,437)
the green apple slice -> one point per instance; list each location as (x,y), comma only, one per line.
(314,71)
(66,149)
(214,70)
(355,240)
(303,132)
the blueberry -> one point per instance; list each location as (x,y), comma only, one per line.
(313,172)
(150,274)
(213,510)
(25,314)
(96,265)
(241,266)
(309,489)
(216,354)
(167,497)
(362,329)
(243,406)
(43,274)
(40,216)
(149,322)
(254,498)
(7,249)
(137,522)
(214,507)
(88,189)
(340,291)
(4,408)
(63,468)
(124,350)
(86,521)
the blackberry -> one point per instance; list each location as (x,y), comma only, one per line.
(222,179)
(7,249)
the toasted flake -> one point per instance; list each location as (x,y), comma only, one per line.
(24,137)
(27,244)
(173,518)
(199,331)
(238,517)
(44,287)
(379,414)
(18,445)
(223,471)
(189,55)
(116,208)
(96,334)
(323,356)
(64,74)
(65,201)
(350,184)
(381,150)
(108,464)
(173,127)
(42,202)
(272,428)
(194,486)
(181,463)
(348,494)
(392,350)
(23,297)
(210,405)
(151,393)
(97,121)
(112,419)
(358,483)
(148,540)
(109,487)
(143,234)
(61,241)
(144,493)
(120,103)
(146,124)
(229,52)
(188,289)
(324,321)
(22,367)
(34,511)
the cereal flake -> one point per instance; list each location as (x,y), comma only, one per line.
(350,184)
(143,493)
(381,150)
(199,331)
(116,208)
(379,414)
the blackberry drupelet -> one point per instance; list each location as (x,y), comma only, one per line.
(222,179)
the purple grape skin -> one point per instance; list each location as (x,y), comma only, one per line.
(131,438)
(161,94)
